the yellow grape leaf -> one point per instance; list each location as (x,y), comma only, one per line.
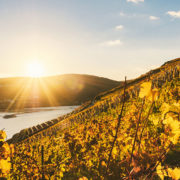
(83,178)
(154,119)
(103,163)
(174,173)
(174,124)
(114,151)
(114,132)
(159,171)
(6,148)
(90,163)
(61,174)
(110,137)
(145,89)
(114,123)
(62,169)
(176,105)
(119,139)
(2,135)
(155,94)
(5,166)
(165,108)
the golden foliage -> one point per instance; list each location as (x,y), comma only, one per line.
(5,164)
(146,91)
(2,135)
(172,173)
(83,178)
(175,128)
(84,147)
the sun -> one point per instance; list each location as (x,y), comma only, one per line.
(35,69)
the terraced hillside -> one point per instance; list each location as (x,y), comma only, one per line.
(130,132)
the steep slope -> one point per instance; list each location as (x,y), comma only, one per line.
(69,89)
(118,135)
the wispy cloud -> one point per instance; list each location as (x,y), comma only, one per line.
(112,43)
(175,14)
(122,14)
(135,1)
(119,27)
(153,18)
(131,15)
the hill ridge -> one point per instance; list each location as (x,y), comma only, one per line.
(68,89)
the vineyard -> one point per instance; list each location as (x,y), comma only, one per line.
(130,132)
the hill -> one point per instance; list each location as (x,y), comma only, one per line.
(129,132)
(68,89)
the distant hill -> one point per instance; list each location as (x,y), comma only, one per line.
(68,89)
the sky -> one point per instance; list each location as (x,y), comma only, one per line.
(109,38)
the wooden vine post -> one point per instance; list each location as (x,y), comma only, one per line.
(118,125)
(42,161)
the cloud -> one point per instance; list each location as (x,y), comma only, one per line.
(122,14)
(135,1)
(153,18)
(133,15)
(119,27)
(112,43)
(175,14)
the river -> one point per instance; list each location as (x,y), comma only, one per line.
(31,117)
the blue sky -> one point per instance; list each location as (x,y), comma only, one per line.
(110,38)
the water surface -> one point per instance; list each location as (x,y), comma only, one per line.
(31,117)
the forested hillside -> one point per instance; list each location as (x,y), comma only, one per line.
(68,89)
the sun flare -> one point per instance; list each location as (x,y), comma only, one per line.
(35,69)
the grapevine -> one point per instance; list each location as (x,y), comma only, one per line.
(146,143)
